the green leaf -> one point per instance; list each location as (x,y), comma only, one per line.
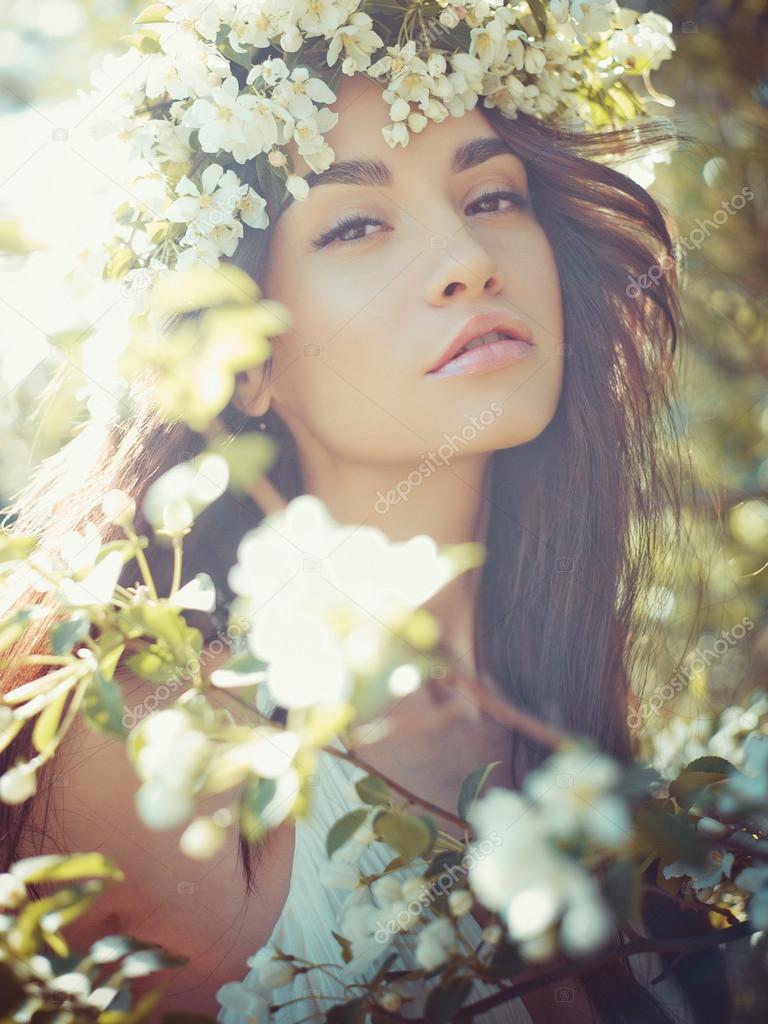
(670,836)
(121,260)
(202,287)
(12,548)
(48,721)
(688,786)
(373,790)
(66,634)
(108,661)
(344,829)
(540,15)
(406,833)
(29,921)
(103,706)
(52,867)
(164,622)
(245,664)
(710,763)
(445,1000)
(471,786)
(245,60)
(248,456)
(14,626)
(10,732)
(63,916)
(153,13)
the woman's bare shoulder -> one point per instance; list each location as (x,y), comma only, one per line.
(195,908)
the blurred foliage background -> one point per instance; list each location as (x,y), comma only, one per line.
(719,79)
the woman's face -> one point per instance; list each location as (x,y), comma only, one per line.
(374,307)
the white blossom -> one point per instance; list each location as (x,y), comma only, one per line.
(574,793)
(592,16)
(645,45)
(202,16)
(357,40)
(171,756)
(310,585)
(534,886)
(271,972)
(299,93)
(235,996)
(436,942)
(220,121)
(249,26)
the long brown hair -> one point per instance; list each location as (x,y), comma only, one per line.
(575,514)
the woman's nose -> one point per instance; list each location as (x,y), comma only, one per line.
(466,267)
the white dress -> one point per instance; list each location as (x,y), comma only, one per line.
(312,910)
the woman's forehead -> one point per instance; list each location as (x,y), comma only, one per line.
(363,113)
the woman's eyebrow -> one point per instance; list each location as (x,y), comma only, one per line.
(375,173)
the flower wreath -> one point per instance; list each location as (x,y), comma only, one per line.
(208,85)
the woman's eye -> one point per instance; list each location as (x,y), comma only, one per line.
(344,227)
(352,225)
(519,201)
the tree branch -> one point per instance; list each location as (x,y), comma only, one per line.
(541,978)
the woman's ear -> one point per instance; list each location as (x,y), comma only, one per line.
(251,394)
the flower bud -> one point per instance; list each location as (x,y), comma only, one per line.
(460,901)
(18,784)
(202,839)
(13,892)
(119,507)
(390,1001)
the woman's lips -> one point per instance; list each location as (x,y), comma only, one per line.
(492,355)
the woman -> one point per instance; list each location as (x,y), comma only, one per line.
(481,215)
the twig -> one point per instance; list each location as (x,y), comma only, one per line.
(353,758)
(683,946)
(510,715)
